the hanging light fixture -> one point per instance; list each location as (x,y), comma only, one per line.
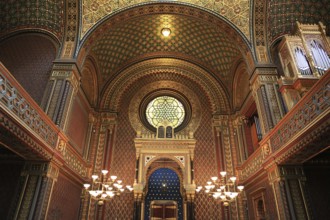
(222,188)
(166,32)
(105,187)
(164,180)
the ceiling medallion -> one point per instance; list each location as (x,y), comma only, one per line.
(166,32)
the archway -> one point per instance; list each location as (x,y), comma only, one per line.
(163,185)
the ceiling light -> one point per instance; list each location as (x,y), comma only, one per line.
(166,32)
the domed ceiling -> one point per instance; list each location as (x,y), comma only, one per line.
(140,38)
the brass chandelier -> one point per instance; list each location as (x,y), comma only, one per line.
(105,187)
(223,188)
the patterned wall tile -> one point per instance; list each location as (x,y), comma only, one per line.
(65,200)
(29,55)
(46,14)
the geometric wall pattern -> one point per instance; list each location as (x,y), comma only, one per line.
(156,190)
(29,55)
(142,36)
(282,15)
(65,199)
(205,164)
(44,14)
(236,11)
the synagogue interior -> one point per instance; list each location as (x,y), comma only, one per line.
(164,110)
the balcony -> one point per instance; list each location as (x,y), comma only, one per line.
(300,135)
(26,129)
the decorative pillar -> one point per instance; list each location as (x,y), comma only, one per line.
(137,207)
(268,102)
(61,89)
(190,206)
(137,192)
(138,195)
(221,123)
(36,185)
(226,154)
(288,183)
(104,131)
(108,121)
(240,139)
(138,186)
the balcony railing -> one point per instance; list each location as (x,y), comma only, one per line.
(16,103)
(312,108)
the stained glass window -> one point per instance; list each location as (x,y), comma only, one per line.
(165,109)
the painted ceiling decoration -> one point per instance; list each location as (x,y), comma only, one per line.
(18,14)
(142,36)
(236,11)
(161,70)
(283,14)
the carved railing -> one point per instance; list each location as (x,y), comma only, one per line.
(18,104)
(311,108)
(312,105)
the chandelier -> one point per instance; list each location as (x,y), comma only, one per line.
(223,188)
(105,187)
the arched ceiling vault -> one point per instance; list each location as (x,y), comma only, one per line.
(237,12)
(164,69)
(135,35)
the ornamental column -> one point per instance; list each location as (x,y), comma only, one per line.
(190,189)
(288,183)
(138,191)
(226,155)
(103,128)
(105,141)
(268,100)
(60,91)
(36,185)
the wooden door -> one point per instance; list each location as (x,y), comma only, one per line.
(163,210)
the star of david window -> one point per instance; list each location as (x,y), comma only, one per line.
(165,110)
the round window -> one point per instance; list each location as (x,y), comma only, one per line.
(165,110)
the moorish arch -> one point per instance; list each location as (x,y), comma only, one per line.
(160,161)
(166,68)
